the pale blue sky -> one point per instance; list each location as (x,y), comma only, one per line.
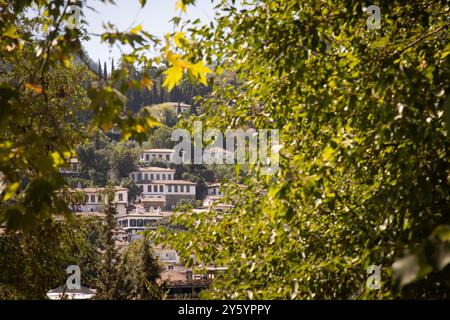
(154,18)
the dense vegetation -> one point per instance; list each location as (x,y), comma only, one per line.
(157,94)
(364,171)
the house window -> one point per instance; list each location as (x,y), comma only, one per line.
(167,157)
(139,177)
(132,177)
(169,177)
(188,188)
(149,188)
(181,188)
(175,187)
(99,198)
(157,177)
(147,157)
(146,176)
(140,223)
(92,198)
(169,188)
(141,187)
(164,177)
(161,188)
(160,156)
(125,223)
(133,223)
(120,197)
(155,188)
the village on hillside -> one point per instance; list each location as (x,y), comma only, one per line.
(160,194)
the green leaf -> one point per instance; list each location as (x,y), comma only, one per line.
(179,39)
(181,6)
(199,71)
(11,190)
(173,76)
(11,31)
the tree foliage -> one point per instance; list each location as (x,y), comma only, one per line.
(35,262)
(42,96)
(107,282)
(364,169)
(139,270)
(104,160)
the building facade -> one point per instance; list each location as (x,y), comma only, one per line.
(95,200)
(139,220)
(72,167)
(152,173)
(216,155)
(214,189)
(165,155)
(159,188)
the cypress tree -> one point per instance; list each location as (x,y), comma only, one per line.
(105,72)
(154,99)
(99,69)
(151,270)
(162,96)
(107,284)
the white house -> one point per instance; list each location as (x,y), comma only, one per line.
(72,167)
(62,292)
(216,155)
(214,198)
(149,155)
(152,173)
(95,199)
(214,189)
(158,186)
(140,219)
(167,187)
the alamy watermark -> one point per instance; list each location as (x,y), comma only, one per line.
(374,280)
(74,13)
(74,10)
(254,147)
(374,19)
(74,279)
